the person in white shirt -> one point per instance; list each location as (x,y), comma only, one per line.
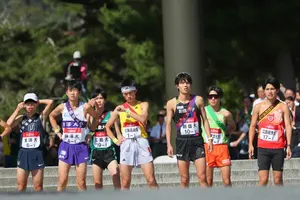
(158,137)
(261,96)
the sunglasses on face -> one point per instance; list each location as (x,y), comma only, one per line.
(215,96)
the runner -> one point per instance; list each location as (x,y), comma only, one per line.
(187,111)
(103,153)
(272,117)
(5,129)
(72,150)
(135,149)
(30,156)
(221,123)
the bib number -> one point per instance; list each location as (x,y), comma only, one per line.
(131,132)
(101,140)
(189,128)
(31,140)
(73,135)
(269,135)
(217,135)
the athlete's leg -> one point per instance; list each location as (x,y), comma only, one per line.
(263,177)
(98,176)
(277,165)
(114,171)
(148,169)
(183,167)
(209,176)
(63,173)
(22,178)
(277,178)
(38,179)
(200,165)
(81,176)
(226,172)
(125,171)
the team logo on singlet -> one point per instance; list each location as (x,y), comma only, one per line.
(270,118)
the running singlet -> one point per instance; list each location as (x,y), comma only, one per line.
(100,139)
(271,130)
(74,131)
(32,132)
(130,127)
(216,132)
(192,126)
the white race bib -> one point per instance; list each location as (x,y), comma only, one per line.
(268,134)
(73,135)
(101,140)
(189,128)
(31,140)
(217,135)
(131,131)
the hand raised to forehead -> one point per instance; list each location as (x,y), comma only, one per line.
(20,106)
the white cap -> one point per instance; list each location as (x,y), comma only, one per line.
(76,54)
(30,96)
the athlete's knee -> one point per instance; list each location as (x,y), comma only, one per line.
(81,183)
(38,187)
(227,181)
(263,180)
(185,179)
(21,187)
(202,176)
(126,182)
(151,181)
(278,180)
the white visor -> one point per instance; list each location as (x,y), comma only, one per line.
(128,89)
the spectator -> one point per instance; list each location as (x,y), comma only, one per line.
(158,137)
(295,111)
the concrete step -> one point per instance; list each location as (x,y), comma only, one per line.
(165,167)
(161,177)
(193,184)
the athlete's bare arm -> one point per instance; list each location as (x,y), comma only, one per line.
(49,104)
(7,128)
(143,117)
(114,116)
(89,110)
(15,119)
(117,129)
(229,121)
(52,118)
(255,115)
(170,112)
(288,129)
(200,104)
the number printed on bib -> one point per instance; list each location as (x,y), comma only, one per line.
(72,133)
(217,135)
(31,140)
(190,127)
(131,130)
(268,134)
(101,140)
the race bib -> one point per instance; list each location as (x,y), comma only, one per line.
(217,135)
(31,140)
(131,130)
(268,134)
(189,127)
(72,133)
(101,140)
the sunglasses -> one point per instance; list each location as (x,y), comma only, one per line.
(215,96)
